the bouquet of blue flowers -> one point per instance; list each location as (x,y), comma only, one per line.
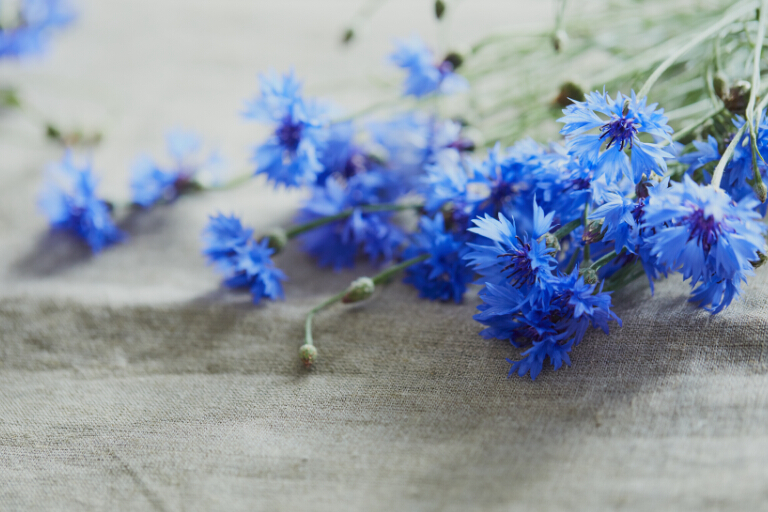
(448,191)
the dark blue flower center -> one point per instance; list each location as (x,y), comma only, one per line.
(703,227)
(579,184)
(501,193)
(519,265)
(619,130)
(289,134)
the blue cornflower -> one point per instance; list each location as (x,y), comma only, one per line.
(337,244)
(705,152)
(739,169)
(549,322)
(424,75)
(619,224)
(290,156)
(151,183)
(444,276)
(512,259)
(33,21)
(618,133)
(244,262)
(709,238)
(69,200)
(413,141)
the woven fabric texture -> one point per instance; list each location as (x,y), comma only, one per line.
(132,381)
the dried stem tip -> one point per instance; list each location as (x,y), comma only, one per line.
(308,355)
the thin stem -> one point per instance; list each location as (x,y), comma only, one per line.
(586,246)
(309,226)
(385,274)
(717,176)
(379,278)
(233,183)
(572,262)
(604,261)
(750,112)
(308,324)
(691,127)
(693,43)
(566,230)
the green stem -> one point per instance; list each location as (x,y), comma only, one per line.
(309,226)
(717,175)
(385,274)
(233,183)
(566,230)
(750,112)
(604,261)
(586,246)
(308,324)
(691,127)
(572,262)
(379,278)
(694,42)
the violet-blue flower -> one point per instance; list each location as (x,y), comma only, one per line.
(425,76)
(336,244)
(31,25)
(69,200)
(444,275)
(549,323)
(244,262)
(150,182)
(709,238)
(617,134)
(511,258)
(290,156)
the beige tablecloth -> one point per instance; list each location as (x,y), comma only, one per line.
(132,381)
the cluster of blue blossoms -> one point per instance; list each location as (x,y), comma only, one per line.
(543,230)
(26,30)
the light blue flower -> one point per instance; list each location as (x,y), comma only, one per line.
(244,262)
(618,134)
(69,200)
(444,275)
(425,76)
(702,233)
(290,156)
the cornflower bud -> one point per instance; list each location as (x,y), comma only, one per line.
(552,242)
(589,275)
(738,97)
(569,92)
(455,59)
(360,289)
(594,232)
(308,355)
(277,239)
(439,9)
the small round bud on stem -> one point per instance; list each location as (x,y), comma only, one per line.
(641,189)
(308,355)
(738,97)
(560,40)
(720,84)
(455,59)
(278,239)
(760,191)
(594,232)
(552,242)
(761,260)
(569,92)
(439,9)
(589,275)
(360,289)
